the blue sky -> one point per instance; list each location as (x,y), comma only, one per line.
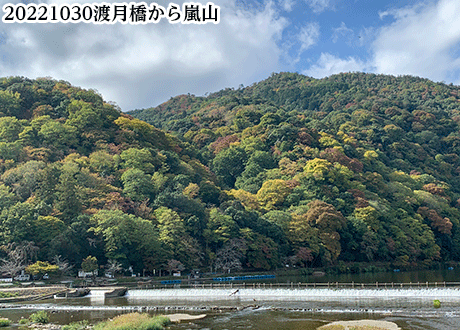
(138,66)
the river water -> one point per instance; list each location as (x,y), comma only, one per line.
(270,308)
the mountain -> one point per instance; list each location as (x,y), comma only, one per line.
(290,170)
(353,167)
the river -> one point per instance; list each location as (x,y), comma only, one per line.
(273,308)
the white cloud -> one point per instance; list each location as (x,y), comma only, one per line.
(399,13)
(329,64)
(421,41)
(342,32)
(308,36)
(287,5)
(318,6)
(142,65)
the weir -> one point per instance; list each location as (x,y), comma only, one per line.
(94,292)
(297,294)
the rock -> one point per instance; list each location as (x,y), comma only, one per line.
(374,324)
(176,318)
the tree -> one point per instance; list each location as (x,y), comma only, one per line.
(7,198)
(69,201)
(113,266)
(171,227)
(89,264)
(220,228)
(443,225)
(9,103)
(23,179)
(229,163)
(175,266)
(42,268)
(13,264)
(262,253)
(63,265)
(58,135)
(230,256)
(324,216)
(18,223)
(305,256)
(141,159)
(10,127)
(273,193)
(48,228)
(137,185)
(127,238)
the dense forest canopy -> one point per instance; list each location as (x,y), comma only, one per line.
(291,170)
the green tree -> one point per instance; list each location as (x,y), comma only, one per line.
(137,185)
(10,128)
(68,196)
(262,253)
(24,178)
(141,159)
(9,103)
(229,163)
(89,264)
(127,238)
(219,229)
(18,223)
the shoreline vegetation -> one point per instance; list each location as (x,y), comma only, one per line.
(143,321)
(131,321)
(18,294)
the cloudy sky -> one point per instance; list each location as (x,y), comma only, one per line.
(139,66)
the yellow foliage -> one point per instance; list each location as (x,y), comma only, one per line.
(371,154)
(246,198)
(369,216)
(191,190)
(317,168)
(273,193)
(327,141)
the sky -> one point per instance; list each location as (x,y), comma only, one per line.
(144,65)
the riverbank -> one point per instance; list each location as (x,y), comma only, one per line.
(18,294)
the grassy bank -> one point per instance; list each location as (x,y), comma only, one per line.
(134,321)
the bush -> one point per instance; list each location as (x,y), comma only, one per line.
(39,317)
(4,322)
(24,321)
(76,325)
(134,321)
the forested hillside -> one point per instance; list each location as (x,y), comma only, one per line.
(291,170)
(78,178)
(354,167)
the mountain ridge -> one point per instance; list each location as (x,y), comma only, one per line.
(291,170)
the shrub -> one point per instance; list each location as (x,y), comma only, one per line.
(39,317)
(4,322)
(134,321)
(76,325)
(24,321)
